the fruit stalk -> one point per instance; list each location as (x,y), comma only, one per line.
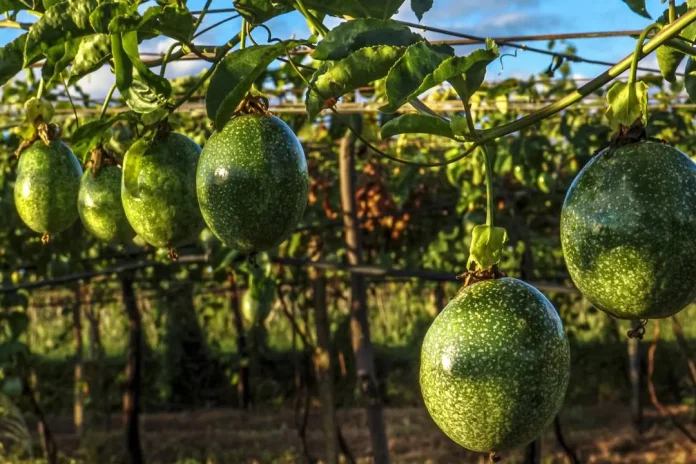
(637,54)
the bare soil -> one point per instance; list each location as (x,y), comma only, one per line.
(599,434)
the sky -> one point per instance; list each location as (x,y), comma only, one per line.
(491,18)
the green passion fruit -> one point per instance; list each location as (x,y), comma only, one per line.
(627,230)
(252,183)
(159,190)
(495,365)
(46,190)
(100,207)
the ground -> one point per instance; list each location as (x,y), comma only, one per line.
(600,434)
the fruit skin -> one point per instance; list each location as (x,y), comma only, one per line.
(48,181)
(159,190)
(252,183)
(100,207)
(627,231)
(495,365)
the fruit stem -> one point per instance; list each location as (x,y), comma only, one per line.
(40,91)
(105,105)
(638,53)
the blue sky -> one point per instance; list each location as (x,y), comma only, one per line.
(480,17)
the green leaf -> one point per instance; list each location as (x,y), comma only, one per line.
(486,246)
(353,35)
(424,66)
(93,53)
(133,161)
(234,76)
(669,59)
(171,21)
(259,11)
(12,387)
(58,58)
(460,127)
(94,133)
(12,58)
(18,323)
(100,18)
(360,68)
(12,5)
(420,7)
(61,23)
(146,91)
(417,124)
(690,79)
(627,103)
(638,6)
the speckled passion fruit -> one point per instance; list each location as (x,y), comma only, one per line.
(627,230)
(252,183)
(495,365)
(48,181)
(100,207)
(159,190)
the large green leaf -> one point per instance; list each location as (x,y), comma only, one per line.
(360,68)
(93,53)
(638,6)
(147,91)
(353,35)
(417,124)
(669,58)
(234,76)
(58,59)
(61,23)
(12,58)
(420,7)
(424,66)
(171,21)
(259,11)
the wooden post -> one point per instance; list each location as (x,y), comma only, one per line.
(131,396)
(79,405)
(635,376)
(322,364)
(244,395)
(360,329)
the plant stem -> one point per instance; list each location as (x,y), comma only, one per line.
(72,104)
(637,56)
(167,57)
(105,105)
(311,18)
(40,91)
(672,11)
(221,52)
(202,15)
(490,200)
(14,25)
(595,84)
(243,34)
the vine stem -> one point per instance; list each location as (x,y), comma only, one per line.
(221,52)
(637,54)
(311,18)
(199,20)
(105,105)
(72,104)
(167,56)
(595,84)
(243,34)
(672,11)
